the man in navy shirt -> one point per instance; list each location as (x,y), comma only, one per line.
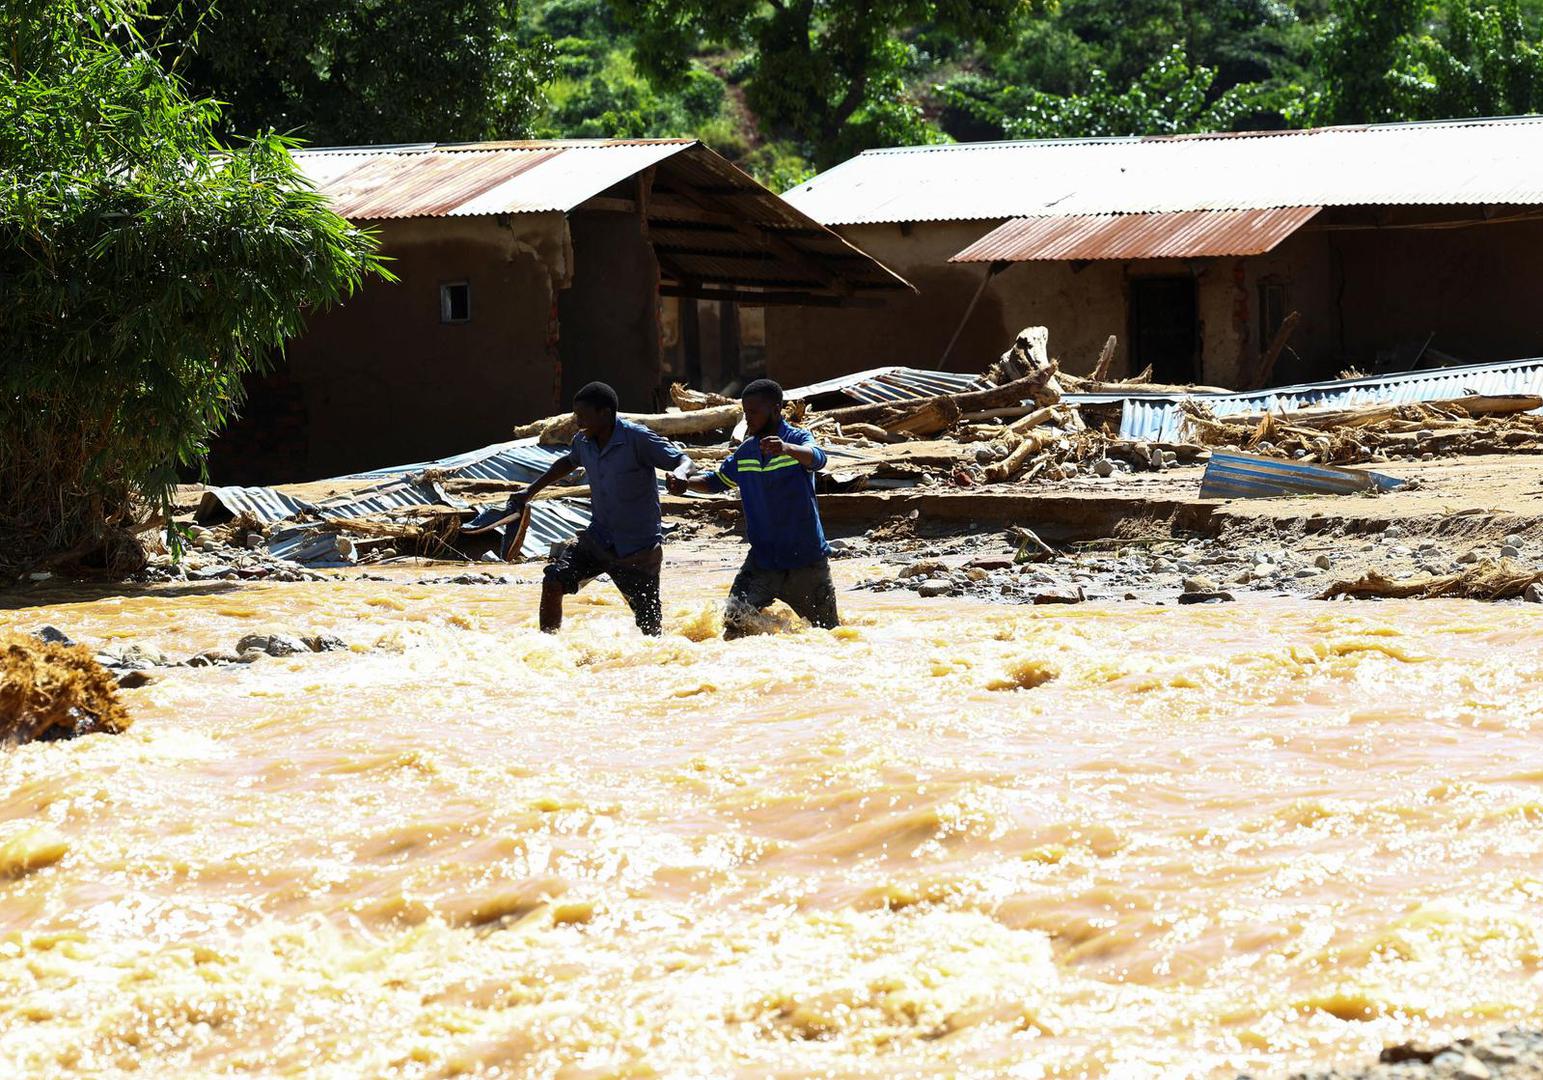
(773,470)
(624,538)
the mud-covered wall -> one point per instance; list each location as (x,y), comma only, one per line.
(609,314)
(1477,289)
(1081,303)
(1365,297)
(381,380)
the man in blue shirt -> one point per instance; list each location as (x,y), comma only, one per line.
(624,538)
(773,470)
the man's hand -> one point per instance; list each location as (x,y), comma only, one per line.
(517,500)
(676,484)
(771,446)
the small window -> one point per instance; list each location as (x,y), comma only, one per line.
(455,302)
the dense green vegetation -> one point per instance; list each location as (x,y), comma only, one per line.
(788,86)
(146,266)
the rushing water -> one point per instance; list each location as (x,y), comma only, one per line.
(948,838)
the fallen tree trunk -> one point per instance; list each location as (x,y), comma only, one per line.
(1376,415)
(689,400)
(1501,580)
(560,430)
(1013,463)
(1074,384)
(1030,387)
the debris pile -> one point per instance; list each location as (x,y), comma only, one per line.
(1478,424)
(1502,579)
(50,689)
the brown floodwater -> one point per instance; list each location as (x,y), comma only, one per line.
(946,839)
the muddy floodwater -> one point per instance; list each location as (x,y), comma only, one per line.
(949,838)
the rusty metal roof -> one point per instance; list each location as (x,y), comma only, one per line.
(1183,234)
(1450,162)
(719,226)
(373,183)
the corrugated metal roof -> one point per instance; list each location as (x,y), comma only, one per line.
(1248,476)
(1159,418)
(760,240)
(889,384)
(269,505)
(1449,162)
(521,460)
(1179,235)
(374,183)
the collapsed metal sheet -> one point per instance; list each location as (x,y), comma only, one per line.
(878,385)
(519,461)
(1249,476)
(269,505)
(552,521)
(1160,417)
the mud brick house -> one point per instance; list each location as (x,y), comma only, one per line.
(526,269)
(1396,245)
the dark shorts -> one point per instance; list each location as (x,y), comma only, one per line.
(809,591)
(636,577)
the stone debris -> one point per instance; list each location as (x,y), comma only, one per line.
(1513,1054)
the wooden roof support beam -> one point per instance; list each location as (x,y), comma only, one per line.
(661,209)
(769,298)
(766,238)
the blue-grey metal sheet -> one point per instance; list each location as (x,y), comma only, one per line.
(521,460)
(878,385)
(1159,417)
(1248,476)
(267,505)
(552,521)
(383,498)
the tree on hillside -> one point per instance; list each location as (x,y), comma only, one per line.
(1172,97)
(145,268)
(1387,60)
(346,72)
(1099,67)
(830,73)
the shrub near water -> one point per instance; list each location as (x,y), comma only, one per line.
(51,691)
(145,268)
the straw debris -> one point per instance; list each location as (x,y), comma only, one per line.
(1504,579)
(54,691)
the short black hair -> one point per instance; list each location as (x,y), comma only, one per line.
(763,388)
(599,395)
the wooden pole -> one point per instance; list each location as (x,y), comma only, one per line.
(1277,343)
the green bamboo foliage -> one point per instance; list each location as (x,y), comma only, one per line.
(145,269)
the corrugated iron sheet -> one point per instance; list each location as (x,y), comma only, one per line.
(1179,235)
(889,384)
(1248,476)
(269,505)
(376,183)
(521,460)
(1159,418)
(552,521)
(1448,162)
(379,183)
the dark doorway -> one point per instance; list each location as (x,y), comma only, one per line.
(1164,328)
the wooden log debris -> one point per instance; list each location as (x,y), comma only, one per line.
(559,430)
(1105,360)
(1013,393)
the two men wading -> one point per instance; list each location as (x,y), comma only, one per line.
(773,471)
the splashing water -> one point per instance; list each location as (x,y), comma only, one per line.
(946,838)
